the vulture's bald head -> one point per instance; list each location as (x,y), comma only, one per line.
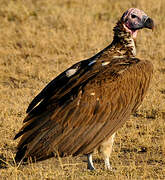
(134,19)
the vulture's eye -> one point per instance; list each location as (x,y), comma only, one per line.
(133,16)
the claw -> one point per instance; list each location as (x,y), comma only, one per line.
(90,162)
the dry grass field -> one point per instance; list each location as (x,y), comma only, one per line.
(41,38)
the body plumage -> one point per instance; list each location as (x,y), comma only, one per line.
(85,105)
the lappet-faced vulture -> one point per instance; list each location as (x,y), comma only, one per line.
(82,108)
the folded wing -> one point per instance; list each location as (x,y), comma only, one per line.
(76,112)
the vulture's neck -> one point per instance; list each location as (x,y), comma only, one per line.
(123,44)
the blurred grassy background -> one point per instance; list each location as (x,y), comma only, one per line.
(38,40)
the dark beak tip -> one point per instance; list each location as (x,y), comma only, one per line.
(149,24)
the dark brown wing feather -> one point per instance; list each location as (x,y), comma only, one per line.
(57,84)
(62,82)
(76,116)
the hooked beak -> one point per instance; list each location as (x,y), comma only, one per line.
(146,22)
(149,23)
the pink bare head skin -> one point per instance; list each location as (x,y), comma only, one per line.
(134,19)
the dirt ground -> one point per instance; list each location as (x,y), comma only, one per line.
(40,39)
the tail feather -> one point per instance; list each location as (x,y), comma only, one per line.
(20,154)
(36,143)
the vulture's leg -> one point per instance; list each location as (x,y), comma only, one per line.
(90,162)
(106,149)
